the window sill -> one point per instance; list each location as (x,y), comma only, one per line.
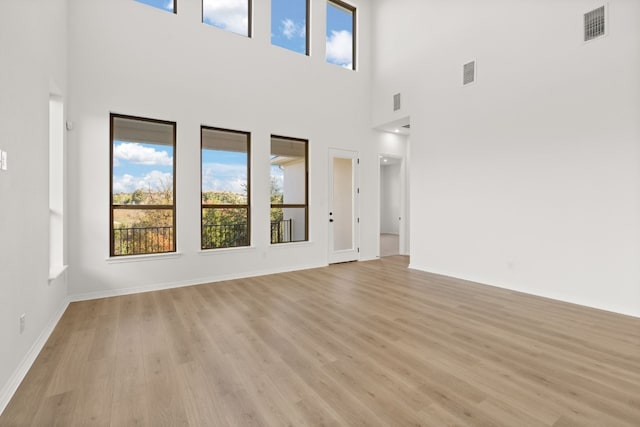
(140,258)
(237,249)
(291,244)
(56,272)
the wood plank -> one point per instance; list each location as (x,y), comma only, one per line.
(370,343)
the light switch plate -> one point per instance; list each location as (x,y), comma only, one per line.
(3,160)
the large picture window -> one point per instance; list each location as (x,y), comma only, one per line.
(225,188)
(142,186)
(230,15)
(341,34)
(289,190)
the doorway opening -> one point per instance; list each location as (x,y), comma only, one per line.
(391,205)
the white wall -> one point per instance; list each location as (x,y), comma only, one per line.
(530,178)
(33,58)
(390,198)
(129,58)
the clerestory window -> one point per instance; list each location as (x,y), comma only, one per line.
(341,34)
(230,15)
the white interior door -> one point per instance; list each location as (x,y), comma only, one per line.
(343,215)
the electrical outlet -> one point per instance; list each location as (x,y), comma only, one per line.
(22,320)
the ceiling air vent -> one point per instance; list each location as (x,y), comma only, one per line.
(396,102)
(407,126)
(594,24)
(469,73)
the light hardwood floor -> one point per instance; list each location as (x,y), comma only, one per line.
(358,344)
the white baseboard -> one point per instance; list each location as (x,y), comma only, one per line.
(183,283)
(536,292)
(9,389)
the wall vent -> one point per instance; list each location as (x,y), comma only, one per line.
(396,102)
(594,24)
(469,73)
(407,126)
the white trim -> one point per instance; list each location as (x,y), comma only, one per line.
(145,257)
(221,251)
(180,284)
(290,244)
(57,272)
(9,389)
(554,296)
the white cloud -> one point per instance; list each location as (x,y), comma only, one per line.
(141,155)
(231,15)
(169,5)
(123,184)
(224,177)
(289,28)
(154,181)
(340,48)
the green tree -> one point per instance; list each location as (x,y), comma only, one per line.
(137,196)
(277,197)
(224,220)
(276,192)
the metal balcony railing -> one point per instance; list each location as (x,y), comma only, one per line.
(149,240)
(224,236)
(142,240)
(281,231)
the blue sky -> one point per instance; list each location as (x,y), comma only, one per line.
(160,4)
(150,166)
(143,166)
(231,15)
(339,36)
(224,171)
(289,24)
